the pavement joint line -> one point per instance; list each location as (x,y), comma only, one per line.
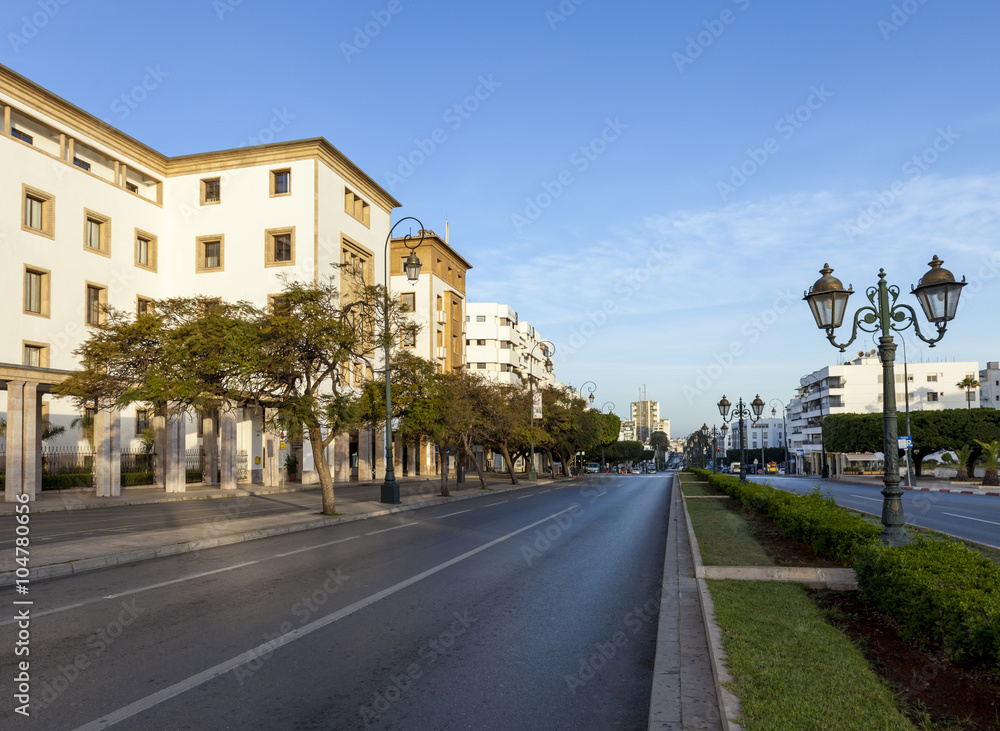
(77,566)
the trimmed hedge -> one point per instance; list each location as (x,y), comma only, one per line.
(813,519)
(943,594)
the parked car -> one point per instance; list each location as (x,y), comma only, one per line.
(593,468)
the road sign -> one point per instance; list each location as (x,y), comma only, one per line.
(905,442)
(800,452)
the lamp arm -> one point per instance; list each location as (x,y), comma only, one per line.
(871,316)
(899,317)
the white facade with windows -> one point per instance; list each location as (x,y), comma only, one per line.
(94,217)
(502,348)
(856,387)
(989,380)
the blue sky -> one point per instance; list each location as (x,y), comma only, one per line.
(652,185)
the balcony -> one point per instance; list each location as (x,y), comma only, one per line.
(442,317)
(440,352)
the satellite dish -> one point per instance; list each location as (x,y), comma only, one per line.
(861,354)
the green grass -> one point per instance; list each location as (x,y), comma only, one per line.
(792,670)
(698,487)
(724,538)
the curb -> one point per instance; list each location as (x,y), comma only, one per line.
(665,695)
(68,568)
(729,704)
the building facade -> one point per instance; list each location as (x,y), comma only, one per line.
(505,349)
(989,380)
(95,218)
(856,387)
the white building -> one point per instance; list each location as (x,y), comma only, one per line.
(856,387)
(989,379)
(94,217)
(505,349)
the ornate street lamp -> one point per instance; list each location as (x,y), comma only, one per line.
(547,352)
(704,445)
(390,488)
(938,294)
(741,412)
(608,411)
(724,431)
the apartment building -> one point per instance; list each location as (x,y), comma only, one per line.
(856,387)
(94,217)
(989,379)
(505,349)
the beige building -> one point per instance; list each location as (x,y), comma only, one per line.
(94,217)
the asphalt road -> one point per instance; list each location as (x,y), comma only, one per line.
(972,517)
(530,610)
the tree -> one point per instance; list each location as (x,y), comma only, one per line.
(990,453)
(964,454)
(297,359)
(507,422)
(968,383)
(659,441)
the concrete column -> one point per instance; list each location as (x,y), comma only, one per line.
(174,458)
(15,441)
(378,458)
(160,449)
(227,450)
(272,474)
(211,466)
(107,453)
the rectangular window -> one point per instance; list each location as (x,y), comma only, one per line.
(144,421)
(95,302)
(281,182)
(279,247)
(39,212)
(481,342)
(278,304)
(931,377)
(480,318)
(143,306)
(96,233)
(210,253)
(23,136)
(145,250)
(82,164)
(932,396)
(36,355)
(36,292)
(132,188)
(481,366)
(408,337)
(211,191)
(408,301)
(356,207)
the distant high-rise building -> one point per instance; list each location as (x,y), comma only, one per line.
(646,415)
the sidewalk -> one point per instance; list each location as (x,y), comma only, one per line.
(72,557)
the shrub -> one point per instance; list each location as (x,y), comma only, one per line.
(944,595)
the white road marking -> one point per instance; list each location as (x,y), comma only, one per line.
(499,503)
(267,648)
(523,497)
(873,499)
(451,514)
(313,548)
(978,520)
(395,527)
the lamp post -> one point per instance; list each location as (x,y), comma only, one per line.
(704,446)
(741,412)
(605,406)
(715,449)
(547,351)
(590,392)
(390,488)
(724,431)
(784,427)
(938,294)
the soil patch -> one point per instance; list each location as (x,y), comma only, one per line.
(933,689)
(784,551)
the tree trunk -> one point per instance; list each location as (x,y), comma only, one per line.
(552,464)
(565,462)
(323,470)
(443,456)
(990,478)
(509,462)
(475,461)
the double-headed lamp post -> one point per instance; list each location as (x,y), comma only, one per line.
(547,352)
(741,412)
(704,445)
(724,431)
(390,488)
(605,410)
(938,294)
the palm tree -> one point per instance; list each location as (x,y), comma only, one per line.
(991,452)
(963,456)
(968,383)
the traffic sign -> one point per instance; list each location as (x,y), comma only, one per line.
(905,442)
